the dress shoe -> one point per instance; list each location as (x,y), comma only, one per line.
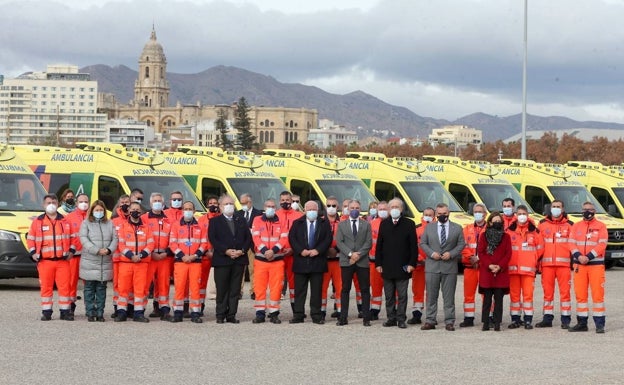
(100,318)
(197,320)
(427,326)
(514,325)
(543,324)
(600,329)
(578,328)
(368,323)
(466,324)
(318,321)
(485,327)
(565,326)
(497,327)
(46,317)
(414,321)
(528,326)
(450,327)
(91,318)
(232,320)
(258,320)
(389,323)
(402,325)
(342,322)
(296,321)
(220,321)
(141,319)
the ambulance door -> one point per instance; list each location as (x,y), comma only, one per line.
(305,190)
(606,201)
(536,197)
(463,196)
(212,187)
(109,190)
(386,191)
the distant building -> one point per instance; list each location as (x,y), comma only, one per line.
(272,126)
(415,142)
(584,134)
(58,106)
(460,136)
(130,133)
(329,134)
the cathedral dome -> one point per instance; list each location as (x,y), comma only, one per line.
(153,51)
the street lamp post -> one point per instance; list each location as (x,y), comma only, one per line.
(524,84)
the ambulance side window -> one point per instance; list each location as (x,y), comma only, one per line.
(212,187)
(58,183)
(606,201)
(462,195)
(536,197)
(387,191)
(109,191)
(304,189)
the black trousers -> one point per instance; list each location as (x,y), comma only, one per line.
(228,284)
(396,310)
(498,295)
(301,290)
(363,276)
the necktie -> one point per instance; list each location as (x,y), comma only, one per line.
(442,235)
(311,236)
(247,216)
(354,229)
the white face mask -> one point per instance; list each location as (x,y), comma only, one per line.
(84,206)
(427,218)
(51,208)
(176,204)
(556,212)
(478,217)
(383,214)
(245,208)
(188,215)
(157,206)
(395,213)
(228,209)
(332,211)
(294,206)
(345,211)
(522,218)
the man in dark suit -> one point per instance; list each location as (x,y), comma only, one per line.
(248,213)
(395,259)
(354,240)
(310,237)
(231,239)
(443,243)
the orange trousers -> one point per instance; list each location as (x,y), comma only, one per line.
(159,272)
(132,278)
(376,283)
(521,288)
(268,275)
(333,273)
(290,276)
(74,275)
(563,276)
(51,273)
(206,263)
(418,288)
(589,277)
(471,283)
(115,282)
(187,281)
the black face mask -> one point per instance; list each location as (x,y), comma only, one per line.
(124,208)
(213,209)
(497,225)
(135,214)
(442,218)
(70,201)
(285,205)
(588,215)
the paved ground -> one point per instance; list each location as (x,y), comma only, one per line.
(60,352)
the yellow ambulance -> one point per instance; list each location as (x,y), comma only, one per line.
(212,171)
(541,183)
(471,181)
(21,200)
(405,178)
(317,176)
(606,183)
(104,171)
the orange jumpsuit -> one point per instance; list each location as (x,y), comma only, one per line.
(556,266)
(159,272)
(471,273)
(376,281)
(134,239)
(188,238)
(418,276)
(527,247)
(75,219)
(333,273)
(117,222)
(589,238)
(286,218)
(268,234)
(50,239)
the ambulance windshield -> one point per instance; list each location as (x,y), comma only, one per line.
(573,198)
(20,192)
(347,189)
(164,185)
(260,189)
(429,194)
(493,194)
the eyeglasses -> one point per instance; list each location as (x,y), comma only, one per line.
(332,205)
(295,201)
(176,200)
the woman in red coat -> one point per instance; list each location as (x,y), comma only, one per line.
(494,251)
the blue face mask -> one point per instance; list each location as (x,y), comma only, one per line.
(188,215)
(157,206)
(311,215)
(478,217)
(354,214)
(269,212)
(98,215)
(395,213)
(508,211)
(372,212)
(556,212)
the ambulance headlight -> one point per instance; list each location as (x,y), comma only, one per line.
(9,236)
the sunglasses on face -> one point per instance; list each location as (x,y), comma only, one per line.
(295,201)
(332,205)
(177,200)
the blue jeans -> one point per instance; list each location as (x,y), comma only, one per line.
(94,298)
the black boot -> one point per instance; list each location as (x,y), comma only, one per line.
(121,316)
(203,307)
(416,318)
(114,312)
(468,322)
(156,312)
(374,314)
(177,316)
(72,308)
(274,318)
(186,313)
(46,315)
(360,313)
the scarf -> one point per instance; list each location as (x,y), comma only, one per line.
(493,238)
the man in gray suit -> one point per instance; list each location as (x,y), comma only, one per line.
(443,243)
(354,240)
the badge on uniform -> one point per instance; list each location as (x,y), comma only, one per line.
(188,243)
(45,228)
(139,232)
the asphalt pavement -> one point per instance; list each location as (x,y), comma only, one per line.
(79,352)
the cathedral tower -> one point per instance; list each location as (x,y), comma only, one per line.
(151,89)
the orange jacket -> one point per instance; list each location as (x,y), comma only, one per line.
(556,233)
(420,230)
(334,228)
(267,234)
(527,247)
(75,219)
(471,235)
(49,238)
(117,222)
(507,221)
(174,215)
(135,239)
(589,238)
(188,238)
(375,233)
(160,228)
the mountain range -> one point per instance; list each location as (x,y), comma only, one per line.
(356,110)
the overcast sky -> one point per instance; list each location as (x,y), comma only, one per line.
(439,58)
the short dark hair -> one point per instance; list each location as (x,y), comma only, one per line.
(513,202)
